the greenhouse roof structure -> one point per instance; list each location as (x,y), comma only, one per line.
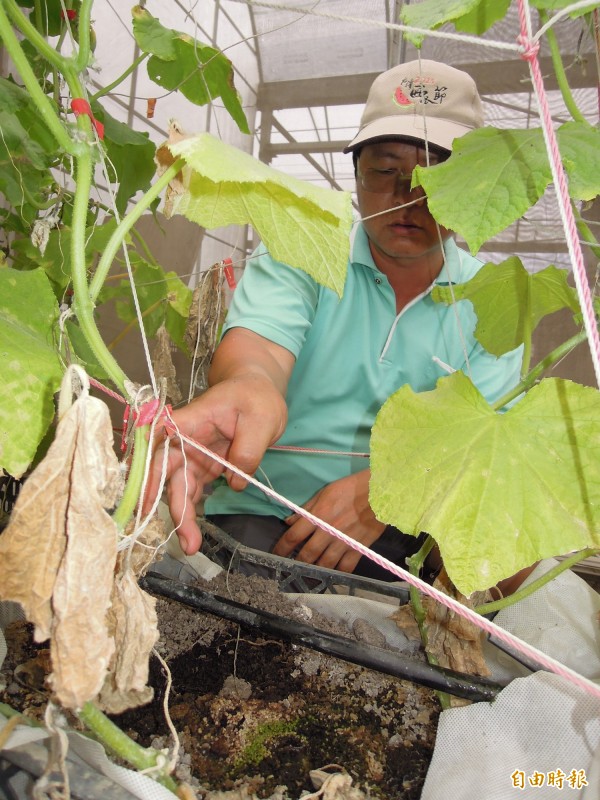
(303,70)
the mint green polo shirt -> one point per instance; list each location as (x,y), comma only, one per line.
(351,355)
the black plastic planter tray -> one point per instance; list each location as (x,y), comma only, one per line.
(290,575)
(390,662)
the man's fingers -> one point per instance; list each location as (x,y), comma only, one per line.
(184,492)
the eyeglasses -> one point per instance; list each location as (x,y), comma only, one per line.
(389,181)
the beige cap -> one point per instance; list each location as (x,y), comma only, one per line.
(422,100)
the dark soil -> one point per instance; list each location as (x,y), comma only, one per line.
(261,713)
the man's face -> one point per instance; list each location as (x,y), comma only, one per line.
(407,233)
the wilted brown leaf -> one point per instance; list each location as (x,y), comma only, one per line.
(404,618)
(164,160)
(452,639)
(58,553)
(162,364)
(133,624)
(207,313)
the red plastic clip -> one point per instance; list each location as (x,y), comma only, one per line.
(147,412)
(81,106)
(228,272)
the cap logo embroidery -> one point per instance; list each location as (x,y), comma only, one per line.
(419,90)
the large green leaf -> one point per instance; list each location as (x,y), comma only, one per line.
(510,302)
(179,62)
(162,296)
(558,5)
(130,154)
(302,225)
(471,16)
(31,370)
(482,17)
(56,259)
(496,491)
(579,144)
(491,179)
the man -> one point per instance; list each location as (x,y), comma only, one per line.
(299,367)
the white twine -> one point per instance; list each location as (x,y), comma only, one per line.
(393,26)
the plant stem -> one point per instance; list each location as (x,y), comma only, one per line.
(144,246)
(81,60)
(415,565)
(121,78)
(547,362)
(135,478)
(527,339)
(123,228)
(8,713)
(521,594)
(141,758)
(561,77)
(82,304)
(586,233)
(31,33)
(44,106)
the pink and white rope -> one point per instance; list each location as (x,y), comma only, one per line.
(481,622)
(529,51)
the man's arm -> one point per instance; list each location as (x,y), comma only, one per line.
(238,417)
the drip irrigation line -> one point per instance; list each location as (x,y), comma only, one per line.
(389,662)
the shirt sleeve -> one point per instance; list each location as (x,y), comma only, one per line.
(275,301)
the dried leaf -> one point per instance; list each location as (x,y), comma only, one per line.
(81,646)
(162,363)
(51,499)
(133,623)
(64,581)
(207,314)
(145,547)
(164,159)
(452,639)
(404,618)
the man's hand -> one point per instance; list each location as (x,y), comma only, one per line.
(238,418)
(343,504)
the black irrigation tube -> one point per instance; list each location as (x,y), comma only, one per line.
(389,662)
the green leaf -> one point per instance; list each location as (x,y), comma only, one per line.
(151,36)
(12,97)
(47,16)
(84,353)
(431,14)
(579,145)
(482,17)
(27,151)
(131,155)
(491,179)
(31,369)
(302,225)
(558,5)
(162,296)
(179,62)
(56,258)
(496,491)
(510,302)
